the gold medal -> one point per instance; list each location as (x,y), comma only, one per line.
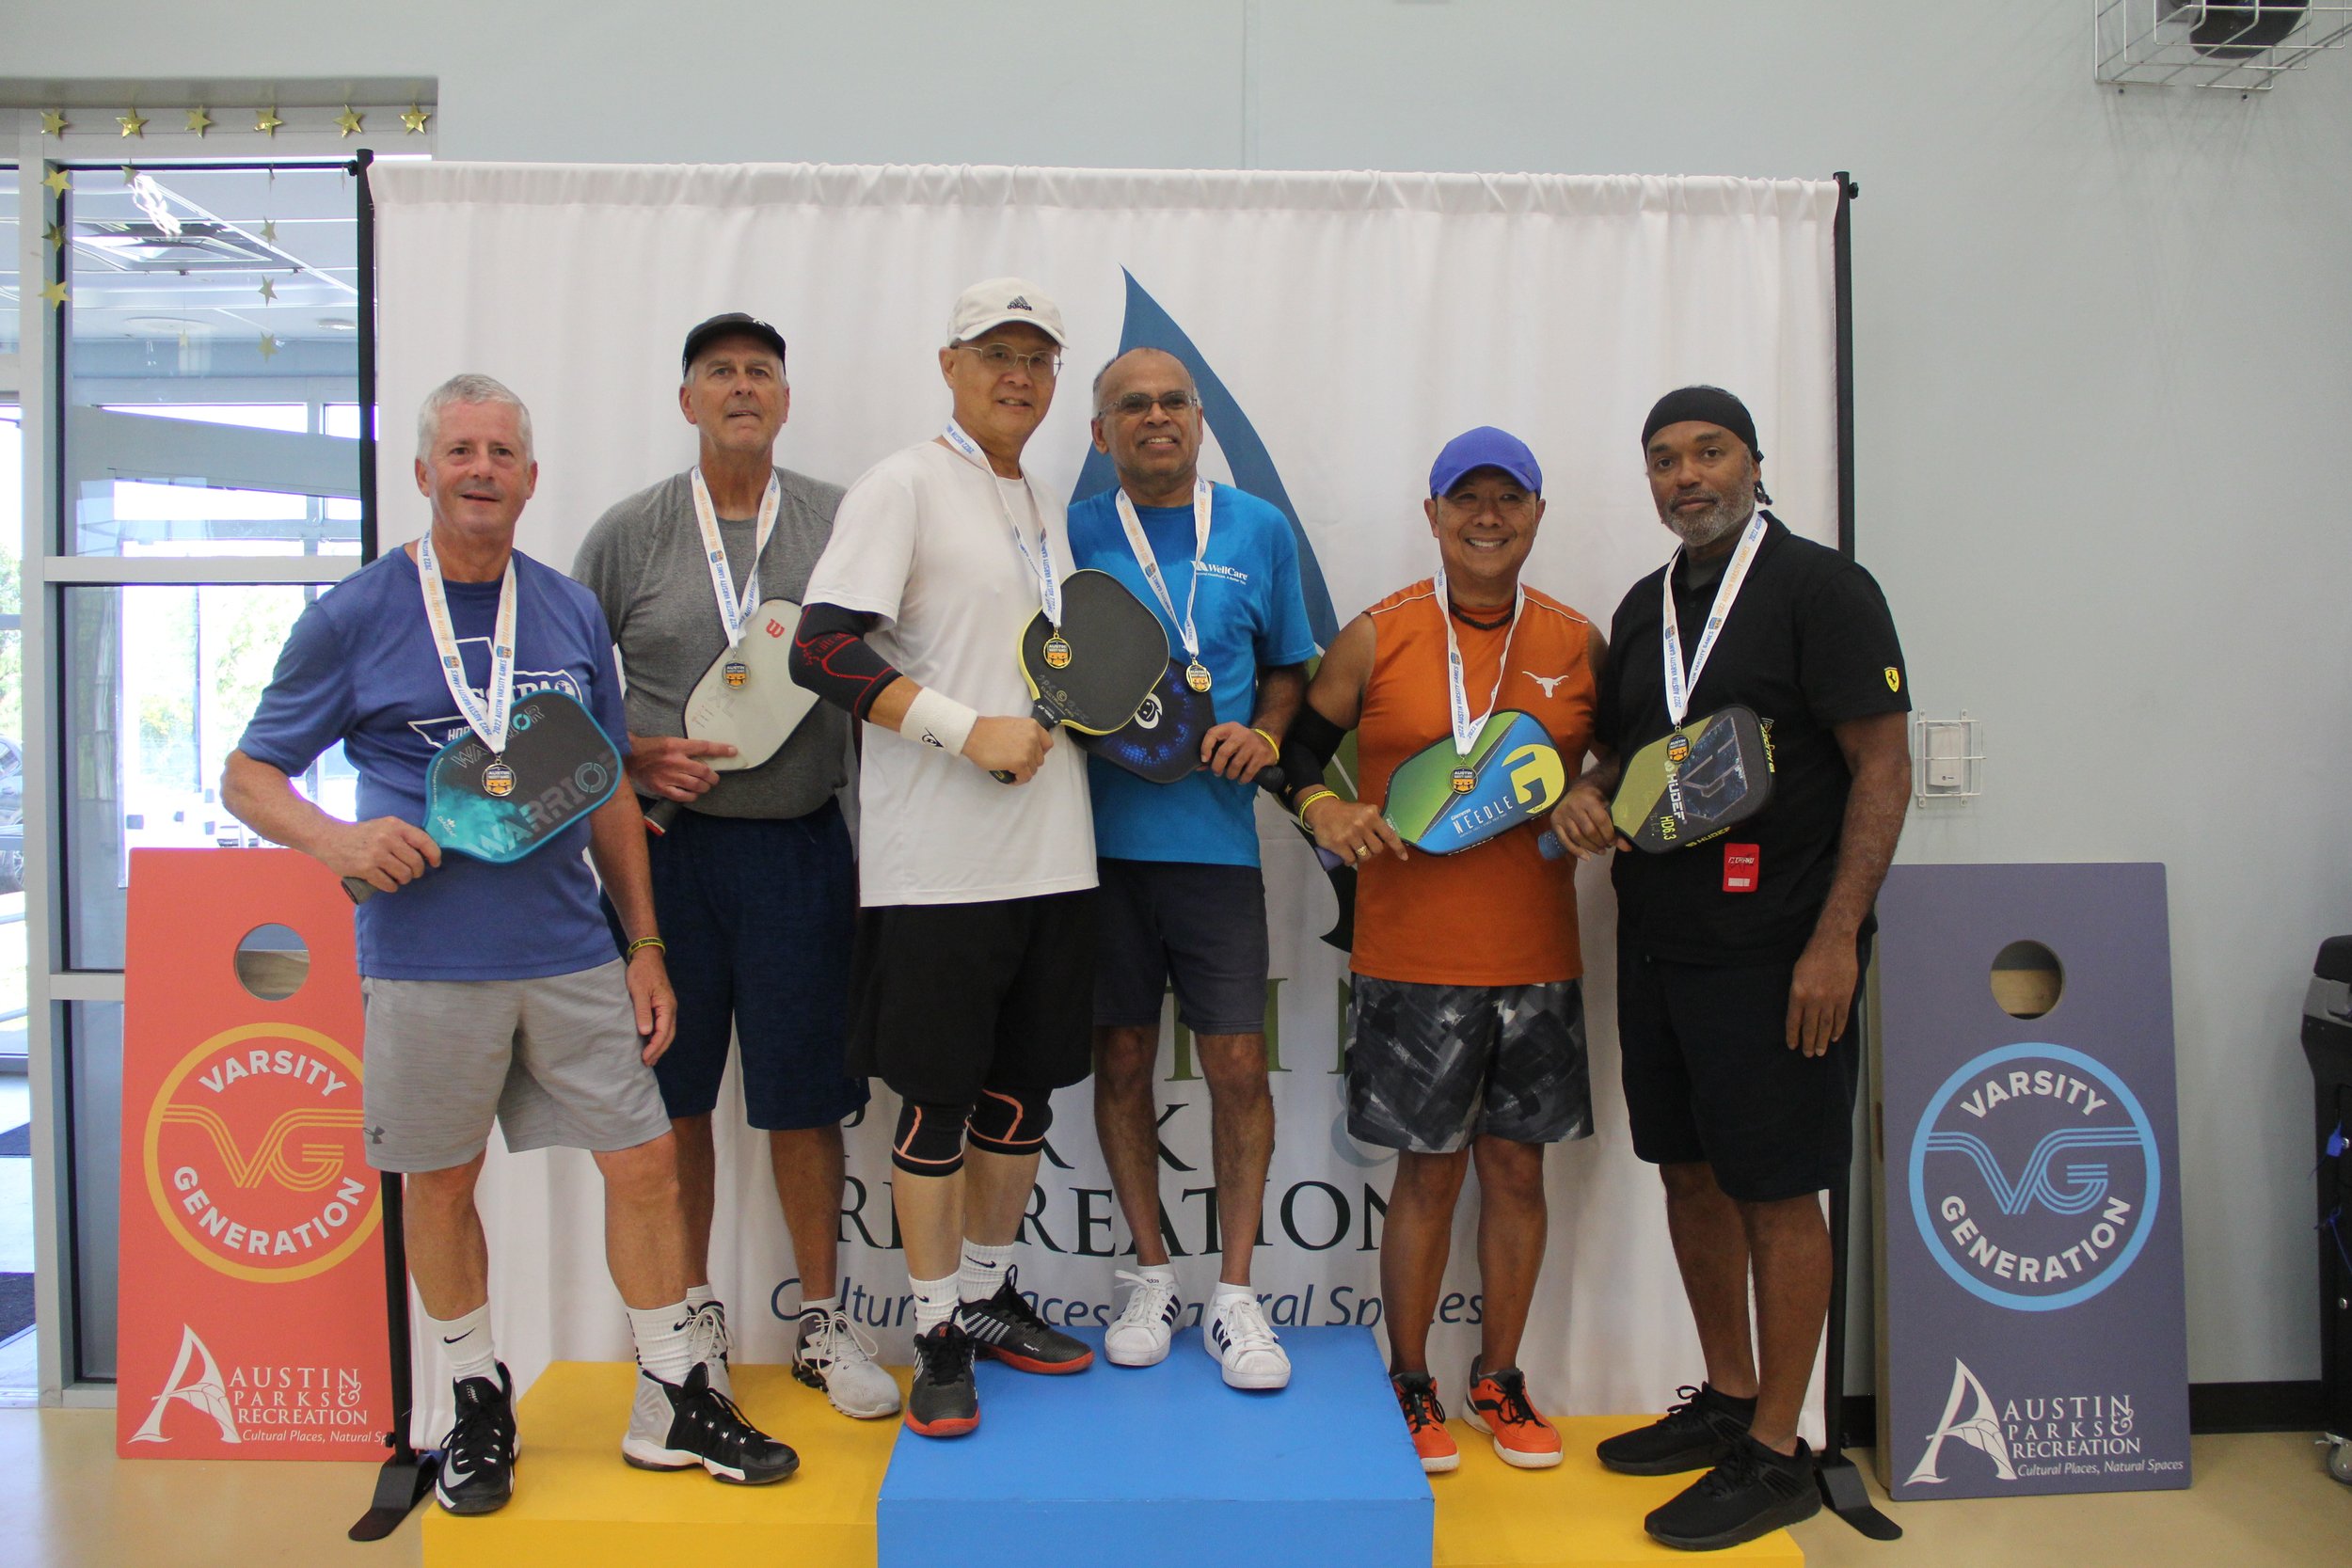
(736,672)
(498,780)
(1197,676)
(1057,652)
(1464,779)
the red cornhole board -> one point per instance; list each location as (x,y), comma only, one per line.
(252,1321)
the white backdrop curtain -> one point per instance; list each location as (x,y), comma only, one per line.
(1357,320)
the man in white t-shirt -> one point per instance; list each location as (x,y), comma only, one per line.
(972,983)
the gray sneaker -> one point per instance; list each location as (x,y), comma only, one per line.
(835,1355)
(677,1426)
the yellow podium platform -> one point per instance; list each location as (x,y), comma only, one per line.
(576,1504)
(1578,1516)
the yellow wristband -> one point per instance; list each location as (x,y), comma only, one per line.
(1267,738)
(643,943)
(1319,793)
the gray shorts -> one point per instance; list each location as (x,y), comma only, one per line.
(1429,1068)
(555,1061)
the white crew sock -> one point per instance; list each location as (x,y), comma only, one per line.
(825,1306)
(699,1296)
(1226,1293)
(466,1340)
(983,1270)
(664,1347)
(934,1302)
(1157,1270)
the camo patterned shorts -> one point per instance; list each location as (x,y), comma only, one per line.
(1429,1068)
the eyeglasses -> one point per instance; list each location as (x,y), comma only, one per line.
(1044,364)
(1136,405)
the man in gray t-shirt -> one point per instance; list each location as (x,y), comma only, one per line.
(754,883)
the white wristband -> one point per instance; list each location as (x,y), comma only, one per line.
(938,719)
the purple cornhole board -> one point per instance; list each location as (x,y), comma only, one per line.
(2032,1333)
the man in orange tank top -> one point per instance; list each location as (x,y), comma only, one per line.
(1466,1027)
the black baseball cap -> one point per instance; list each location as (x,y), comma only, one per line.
(734,324)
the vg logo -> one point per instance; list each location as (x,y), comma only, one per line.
(2034,1177)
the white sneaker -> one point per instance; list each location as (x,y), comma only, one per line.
(1236,1333)
(835,1355)
(1145,1323)
(709,1334)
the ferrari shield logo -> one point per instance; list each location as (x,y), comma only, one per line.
(1894,679)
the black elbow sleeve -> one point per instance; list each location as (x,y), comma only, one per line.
(1308,748)
(832,657)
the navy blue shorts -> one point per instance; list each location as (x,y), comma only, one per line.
(1710,1078)
(759,915)
(1200,926)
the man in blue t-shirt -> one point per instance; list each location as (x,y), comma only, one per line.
(1182,899)
(492,991)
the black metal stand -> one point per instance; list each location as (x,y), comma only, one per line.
(1841,1483)
(407,1476)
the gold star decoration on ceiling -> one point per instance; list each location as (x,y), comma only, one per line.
(412,119)
(54,234)
(129,174)
(199,121)
(267,122)
(269,292)
(349,124)
(269,231)
(269,345)
(56,293)
(53,123)
(133,124)
(55,180)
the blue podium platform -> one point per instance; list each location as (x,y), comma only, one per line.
(1165,1467)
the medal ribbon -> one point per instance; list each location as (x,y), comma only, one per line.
(734,608)
(489,722)
(1680,685)
(1202,501)
(1464,727)
(1048,586)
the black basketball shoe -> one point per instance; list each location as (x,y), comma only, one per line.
(478,1456)
(1009,1328)
(677,1426)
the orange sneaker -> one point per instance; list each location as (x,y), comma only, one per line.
(1498,1407)
(1425,1417)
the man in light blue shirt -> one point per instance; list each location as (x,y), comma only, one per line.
(1181,898)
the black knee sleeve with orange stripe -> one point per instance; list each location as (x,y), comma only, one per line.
(931,1137)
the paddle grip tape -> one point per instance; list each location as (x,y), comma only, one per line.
(1307,750)
(930,1136)
(832,657)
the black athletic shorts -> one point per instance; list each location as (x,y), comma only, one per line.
(1202,927)
(947,999)
(1710,1077)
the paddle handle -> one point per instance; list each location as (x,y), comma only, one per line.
(1551,846)
(661,815)
(1048,719)
(359,889)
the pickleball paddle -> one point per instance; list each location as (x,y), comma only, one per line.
(1690,784)
(558,767)
(1161,744)
(747,699)
(1442,802)
(1093,671)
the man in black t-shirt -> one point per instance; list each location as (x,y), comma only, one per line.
(1740,956)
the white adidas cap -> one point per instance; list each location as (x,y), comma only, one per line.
(1000,300)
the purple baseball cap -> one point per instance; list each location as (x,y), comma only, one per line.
(1484,448)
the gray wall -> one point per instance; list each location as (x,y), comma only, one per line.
(2101,340)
